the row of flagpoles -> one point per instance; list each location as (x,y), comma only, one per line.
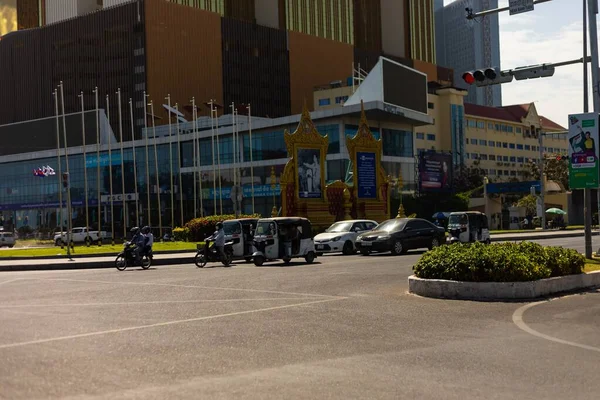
(216,161)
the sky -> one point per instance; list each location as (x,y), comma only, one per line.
(553,32)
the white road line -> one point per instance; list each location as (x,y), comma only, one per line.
(12,306)
(160,324)
(518,320)
(12,280)
(189,287)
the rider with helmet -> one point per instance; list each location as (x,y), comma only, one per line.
(148,239)
(138,239)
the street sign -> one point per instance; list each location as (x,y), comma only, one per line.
(105,198)
(583,151)
(520,6)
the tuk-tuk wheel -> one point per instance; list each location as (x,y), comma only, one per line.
(259,260)
(287,260)
(488,241)
(248,259)
(310,257)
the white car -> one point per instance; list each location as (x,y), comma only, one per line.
(341,236)
(7,239)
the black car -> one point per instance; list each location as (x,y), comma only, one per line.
(399,235)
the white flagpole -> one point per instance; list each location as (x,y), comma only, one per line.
(125,216)
(59,215)
(251,155)
(110,180)
(98,188)
(218,159)
(135,182)
(195,145)
(197,163)
(168,98)
(147,162)
(212,131)
(179,165)
(160,227)
(233,140)
(69,214)
(85,181)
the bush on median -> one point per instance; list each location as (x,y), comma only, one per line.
(199,228)
(502,262)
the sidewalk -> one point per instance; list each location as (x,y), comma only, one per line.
(539,235)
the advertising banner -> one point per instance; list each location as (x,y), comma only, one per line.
(583,151)
(367,175)
(435,172)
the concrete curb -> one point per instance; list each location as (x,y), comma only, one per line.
(83,264)
(83,256)
(444,289)
(524,236)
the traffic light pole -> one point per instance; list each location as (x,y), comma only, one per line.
(593,38)
(472,15)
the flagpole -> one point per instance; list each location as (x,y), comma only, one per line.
(218,159)
(195,144)
(85,181)
(110,174)
(168,98)
(160,227)
(147,162)
(212,131)
(69,214)
(198,161)
(125,216)
(99,197)
(179,165)
(233,142)
(60,202)
(135,182)
(251,156)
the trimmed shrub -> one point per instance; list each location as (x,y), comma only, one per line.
(503,262)
(199,228)
(181,234)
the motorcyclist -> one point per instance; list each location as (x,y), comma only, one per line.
(219,238)
(148,239)
(137,239)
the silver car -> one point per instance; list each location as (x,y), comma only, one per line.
(340,236)
(7,239)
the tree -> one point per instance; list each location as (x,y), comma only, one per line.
(468,178)
(529,202)
(554,169)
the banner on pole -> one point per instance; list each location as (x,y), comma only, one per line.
(583,151)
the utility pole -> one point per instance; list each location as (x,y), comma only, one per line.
(593,31)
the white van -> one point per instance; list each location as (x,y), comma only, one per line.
(7,239)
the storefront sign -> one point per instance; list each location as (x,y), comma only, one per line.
(583,151)
(91,161)
(435,172)
(367,175)
(259,191)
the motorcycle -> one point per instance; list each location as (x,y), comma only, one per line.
(208,253)
(127,258)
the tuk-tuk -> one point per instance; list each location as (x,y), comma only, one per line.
(283,238)
(241,233)
(468,227)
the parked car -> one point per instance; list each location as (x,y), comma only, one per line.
(399,235)
(341,236)
(7,239)
(81,235)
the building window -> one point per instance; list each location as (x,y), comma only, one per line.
(506,172)
(324,102)
(482,142)
(431,106)
(498,144)
(472,123)
(497,126)
(513,159)
(527,147)
(492,172)
(492,157)
(519,147)
(467,156)
(420,136)
(492,143)
(475,156)
(518,130)
(505,145)
(397,143)
(333,133)
(520,159)
(431,137)
(483,157)
(490,126)
(480,124)
(505,158)
(510,129)
(511,145)
(513,173)
(341,99)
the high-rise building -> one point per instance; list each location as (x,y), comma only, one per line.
(420,36)
(466,45)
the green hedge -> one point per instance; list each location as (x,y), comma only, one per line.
(502,262)
(199,228)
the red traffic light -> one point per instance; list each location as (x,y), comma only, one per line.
(468,78)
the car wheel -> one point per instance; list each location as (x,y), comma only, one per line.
(435,242)
(398,248)
(310,257)
(11,246)
(348,248)
(488,241)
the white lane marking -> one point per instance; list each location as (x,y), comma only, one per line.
(518,320)
(11,306)
(9,281)
(160,324)
(190,287)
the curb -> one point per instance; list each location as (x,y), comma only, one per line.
(80,256)
(524,236)
(444,289)
(91,264)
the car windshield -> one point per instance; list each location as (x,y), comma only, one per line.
(391,225)
(265,228)
(232,228)
(458,219)
(339,227)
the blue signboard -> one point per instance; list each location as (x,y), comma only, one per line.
(259,191)
(366,170)
(513,187)
(50,204)
(91,161)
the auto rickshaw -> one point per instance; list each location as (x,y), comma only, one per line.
(283,238)
(468,227)
(241,233)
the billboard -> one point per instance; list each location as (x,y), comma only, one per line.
(583,151)
(366,169)
(435,172)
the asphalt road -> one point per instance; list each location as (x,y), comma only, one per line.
(341,328)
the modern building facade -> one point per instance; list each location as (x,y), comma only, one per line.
(467,45)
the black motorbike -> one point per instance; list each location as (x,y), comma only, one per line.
(209,253)
(127,258)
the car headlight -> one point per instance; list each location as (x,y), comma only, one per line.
(335,239)
(359,237)
(384,237)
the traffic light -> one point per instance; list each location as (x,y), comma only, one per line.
(65,180)
(532,72)
(486,77)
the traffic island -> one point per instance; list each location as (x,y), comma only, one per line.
(506,271)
